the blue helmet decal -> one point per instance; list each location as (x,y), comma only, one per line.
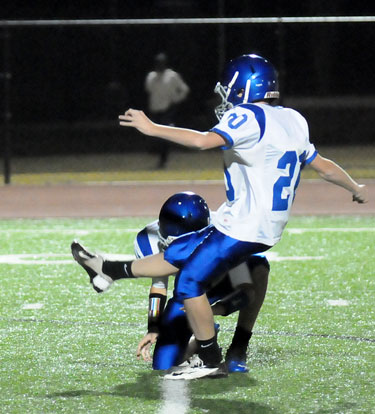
(246,79)
(182,213)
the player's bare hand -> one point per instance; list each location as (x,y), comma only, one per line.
(144,346)
(137,119)
(361,196)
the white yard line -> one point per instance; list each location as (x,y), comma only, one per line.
(338,302)
(50,258)
(330,229)
(79,232)
(56,258)
(175,397)
(274,257)
(32,306)
(53,259)
(119,230)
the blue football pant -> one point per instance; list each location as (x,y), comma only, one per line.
(175,333)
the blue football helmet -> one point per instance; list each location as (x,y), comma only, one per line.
(180,214)
(248,78)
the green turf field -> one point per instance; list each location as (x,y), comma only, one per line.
(66,349)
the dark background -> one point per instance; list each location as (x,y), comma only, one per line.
(88,9)
(72,82)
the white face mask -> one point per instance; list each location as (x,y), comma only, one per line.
(223,91)
(164,243)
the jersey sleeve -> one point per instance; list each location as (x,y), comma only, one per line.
(146,241)
(242,126)
(310,154)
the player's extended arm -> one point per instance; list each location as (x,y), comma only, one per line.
(152,266)
(333,173)
(186,137)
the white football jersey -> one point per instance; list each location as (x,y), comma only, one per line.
(266,148)
(147,240)
(147,243)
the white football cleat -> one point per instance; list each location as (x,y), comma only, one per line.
(93,264)
(196,369)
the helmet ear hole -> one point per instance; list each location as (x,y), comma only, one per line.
(241,92)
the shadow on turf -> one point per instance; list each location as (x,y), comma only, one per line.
(340,408)
(149,387)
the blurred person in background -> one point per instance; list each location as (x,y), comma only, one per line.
(166,90)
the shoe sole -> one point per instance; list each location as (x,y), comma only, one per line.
(76,249)
(197,373)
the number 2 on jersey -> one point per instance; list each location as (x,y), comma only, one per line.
(235,121)
(279,203)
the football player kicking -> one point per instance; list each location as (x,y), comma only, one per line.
(264,148)
(243,289)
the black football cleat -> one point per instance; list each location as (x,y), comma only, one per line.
(93,264)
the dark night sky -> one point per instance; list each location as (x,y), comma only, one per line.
(53,9)
(85,73)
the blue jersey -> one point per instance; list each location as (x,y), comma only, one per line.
(266,148)
(147,243)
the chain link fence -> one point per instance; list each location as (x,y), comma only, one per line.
(64,86)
